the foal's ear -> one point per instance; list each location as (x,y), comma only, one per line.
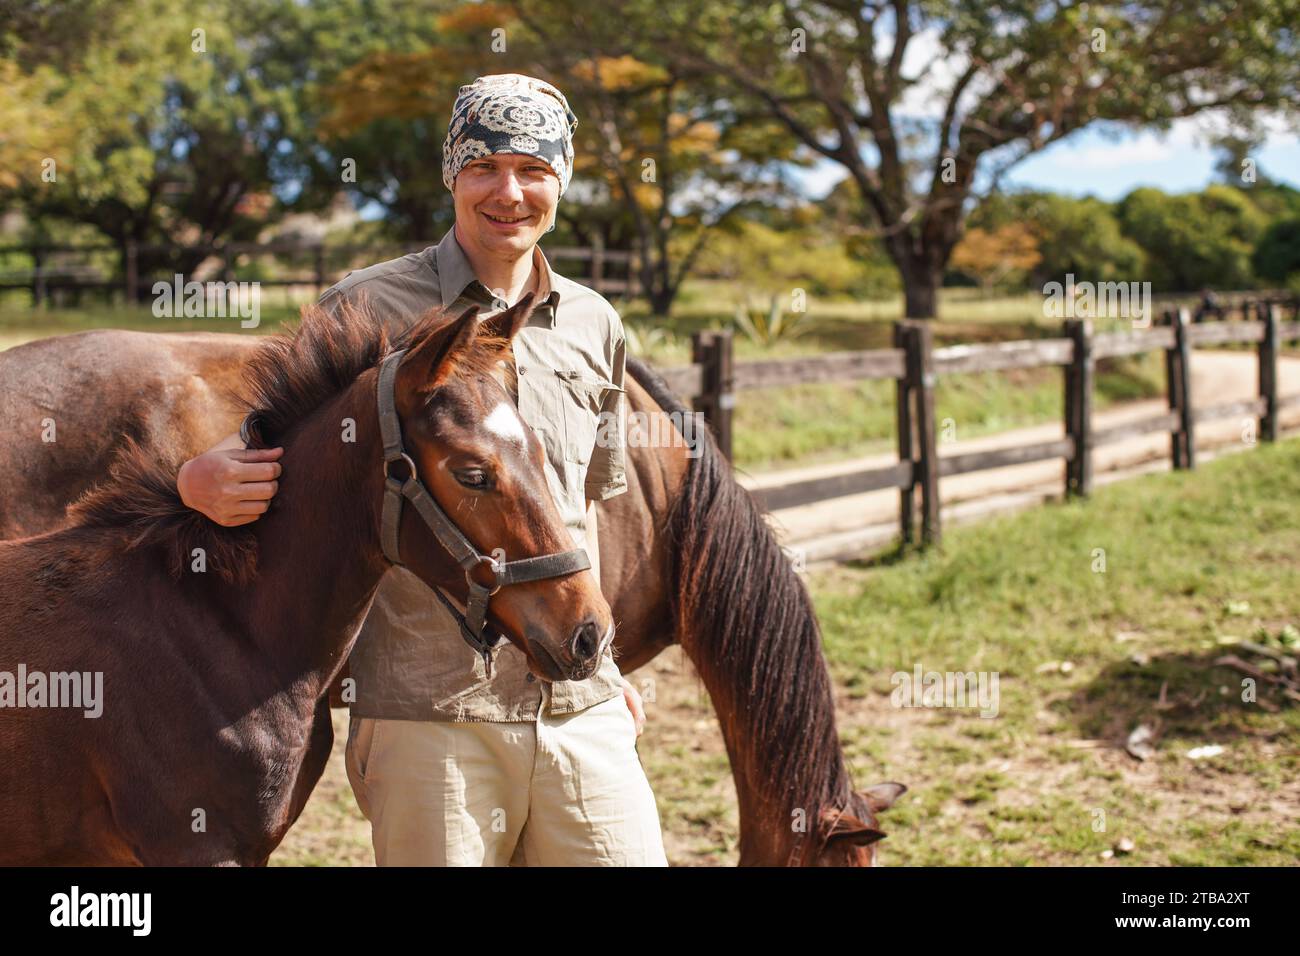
(423,366)
(881,796)
(850,830)
(507,324)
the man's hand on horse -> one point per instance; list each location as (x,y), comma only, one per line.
(634,704)
(232,486)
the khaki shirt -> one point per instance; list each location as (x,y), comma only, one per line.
(410,661)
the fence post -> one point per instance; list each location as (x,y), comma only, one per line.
(903,402)
(1171,388)
(920,370)
(1178,365)
(1269,314)
(1078,408)
(713,352)
(1185,374)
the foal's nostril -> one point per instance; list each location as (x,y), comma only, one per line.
(586,641)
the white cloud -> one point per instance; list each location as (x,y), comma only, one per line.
(1145,148)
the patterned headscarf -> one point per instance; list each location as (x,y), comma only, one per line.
(510,113)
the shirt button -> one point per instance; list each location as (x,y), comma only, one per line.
(522,369)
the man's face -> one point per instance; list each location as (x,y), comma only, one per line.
(505,202)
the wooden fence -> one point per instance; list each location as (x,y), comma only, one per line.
(55,270)
(916,366)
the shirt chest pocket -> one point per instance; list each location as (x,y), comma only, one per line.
(563,406)
(582,396)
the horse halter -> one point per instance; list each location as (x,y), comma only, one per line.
(473,623)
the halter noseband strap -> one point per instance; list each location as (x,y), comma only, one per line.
(473,624)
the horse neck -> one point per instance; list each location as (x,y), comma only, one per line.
(749,626)
(319,561)
(779,824)
(767,835)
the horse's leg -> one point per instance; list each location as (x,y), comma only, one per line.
(313,765)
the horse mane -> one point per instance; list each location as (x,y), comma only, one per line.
(288,377)
(747,622)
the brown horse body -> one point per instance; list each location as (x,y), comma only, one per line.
(72,402)
(214,719)
(686,557)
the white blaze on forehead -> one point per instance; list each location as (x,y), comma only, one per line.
(505,422)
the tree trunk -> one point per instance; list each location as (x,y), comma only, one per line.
(416,219)
(920,292)
(661,302)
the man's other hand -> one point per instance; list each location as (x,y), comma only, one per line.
(634,704)
(232,486)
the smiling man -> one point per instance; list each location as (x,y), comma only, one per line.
(451,764)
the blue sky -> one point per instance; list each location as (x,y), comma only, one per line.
(1098,163)
(1091,163)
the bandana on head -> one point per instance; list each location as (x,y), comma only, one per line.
(509,113)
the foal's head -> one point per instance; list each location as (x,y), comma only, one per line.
(485,467)
(848,836)
(472,452)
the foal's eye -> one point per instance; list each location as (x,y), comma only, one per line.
(474,478)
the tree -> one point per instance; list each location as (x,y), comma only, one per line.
(188,130)
(1079,237)
(39,42)
(1006,79)
(1194,240)
(993,257)
(790,263)
(675,166)
(1277,257)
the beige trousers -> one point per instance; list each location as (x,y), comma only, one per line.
(564,791)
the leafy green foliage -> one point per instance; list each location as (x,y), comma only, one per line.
(766,326)
(1075,236)
(1277,256)
(1194,240)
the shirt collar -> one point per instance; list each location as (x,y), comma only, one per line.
(457,280)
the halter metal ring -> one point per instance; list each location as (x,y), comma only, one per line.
(410,464)
(488,560)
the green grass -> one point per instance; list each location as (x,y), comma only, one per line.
(806,424)
(1192,561)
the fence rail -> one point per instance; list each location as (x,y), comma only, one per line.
(916,367)
(321,265)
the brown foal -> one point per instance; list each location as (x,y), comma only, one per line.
(216,646)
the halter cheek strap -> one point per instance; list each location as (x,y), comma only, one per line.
(408,488)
